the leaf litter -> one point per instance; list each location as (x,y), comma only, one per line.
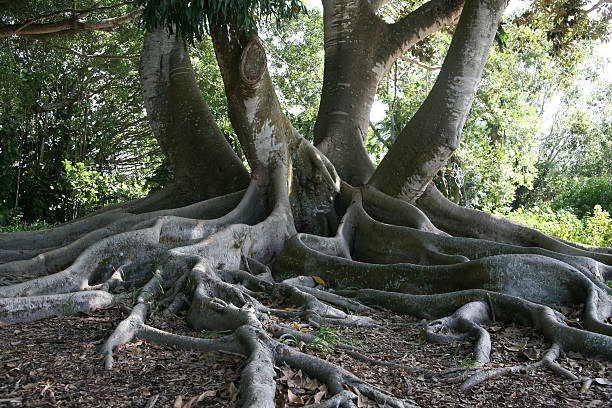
(55,362)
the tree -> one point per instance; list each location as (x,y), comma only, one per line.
(220,241)
(60,100)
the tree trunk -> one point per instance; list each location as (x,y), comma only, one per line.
(256,262)
(434,132)
(203,163)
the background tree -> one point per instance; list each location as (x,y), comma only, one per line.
(204,243)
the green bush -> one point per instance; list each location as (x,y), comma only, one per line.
(12,220)
(92,189)
(593,229)
(582,195)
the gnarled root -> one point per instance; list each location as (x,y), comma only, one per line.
(212,261)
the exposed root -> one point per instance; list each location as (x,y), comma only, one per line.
(547,361)
(509,308)
(466,319)
(466,222)
(125,332)
(23,309)
(212,260)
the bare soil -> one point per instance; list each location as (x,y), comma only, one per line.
(55,363)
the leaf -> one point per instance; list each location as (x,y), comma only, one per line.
(319,396)
(207,394)
(501,37)
(233,392)
(516,346)
(312,385)
(294,399)
(603,381)
(318,279)
(199,398)
(297,327)
(178,402)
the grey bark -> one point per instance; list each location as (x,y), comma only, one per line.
(433,133)
(203,162)
(360,48)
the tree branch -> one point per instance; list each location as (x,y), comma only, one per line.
(597,5)
(422,22)
(100,56)
(433,133)
(420,64)
(30,28)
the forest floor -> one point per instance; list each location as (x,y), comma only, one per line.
(55,362)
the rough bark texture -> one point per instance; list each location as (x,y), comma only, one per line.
(235,259)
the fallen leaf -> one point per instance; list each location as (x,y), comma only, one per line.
(572,322)
(233,392)
(294,399)
(516,346)
(312,385)
(603,381)
(319,396)
(207,394)
(318,279)
(178,402)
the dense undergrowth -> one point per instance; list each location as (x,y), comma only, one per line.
(593,228)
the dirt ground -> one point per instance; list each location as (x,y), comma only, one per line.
(55,363)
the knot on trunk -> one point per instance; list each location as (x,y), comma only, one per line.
(253,63)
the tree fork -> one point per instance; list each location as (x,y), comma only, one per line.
(360,48)
(434,131)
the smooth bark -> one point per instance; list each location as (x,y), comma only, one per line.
(433,133)
(203,162)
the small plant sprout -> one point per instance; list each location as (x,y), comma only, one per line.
(159,282)
(69,307)
(135,294)
(468,361)
(288,339)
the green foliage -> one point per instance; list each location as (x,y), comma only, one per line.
(566,22)
(582,195)
(92,189)
(326,333)
(12,220)
(194,18)
(295,52)
(56,106)
(595,229)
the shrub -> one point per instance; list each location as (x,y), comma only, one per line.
(583,194)
(593,229)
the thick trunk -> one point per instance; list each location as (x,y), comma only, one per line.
(211,259)
(433,134)
(360,49)
(268,138)
(264,132)
(352,32)
(203,163)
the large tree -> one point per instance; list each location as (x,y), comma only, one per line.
(218,239)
